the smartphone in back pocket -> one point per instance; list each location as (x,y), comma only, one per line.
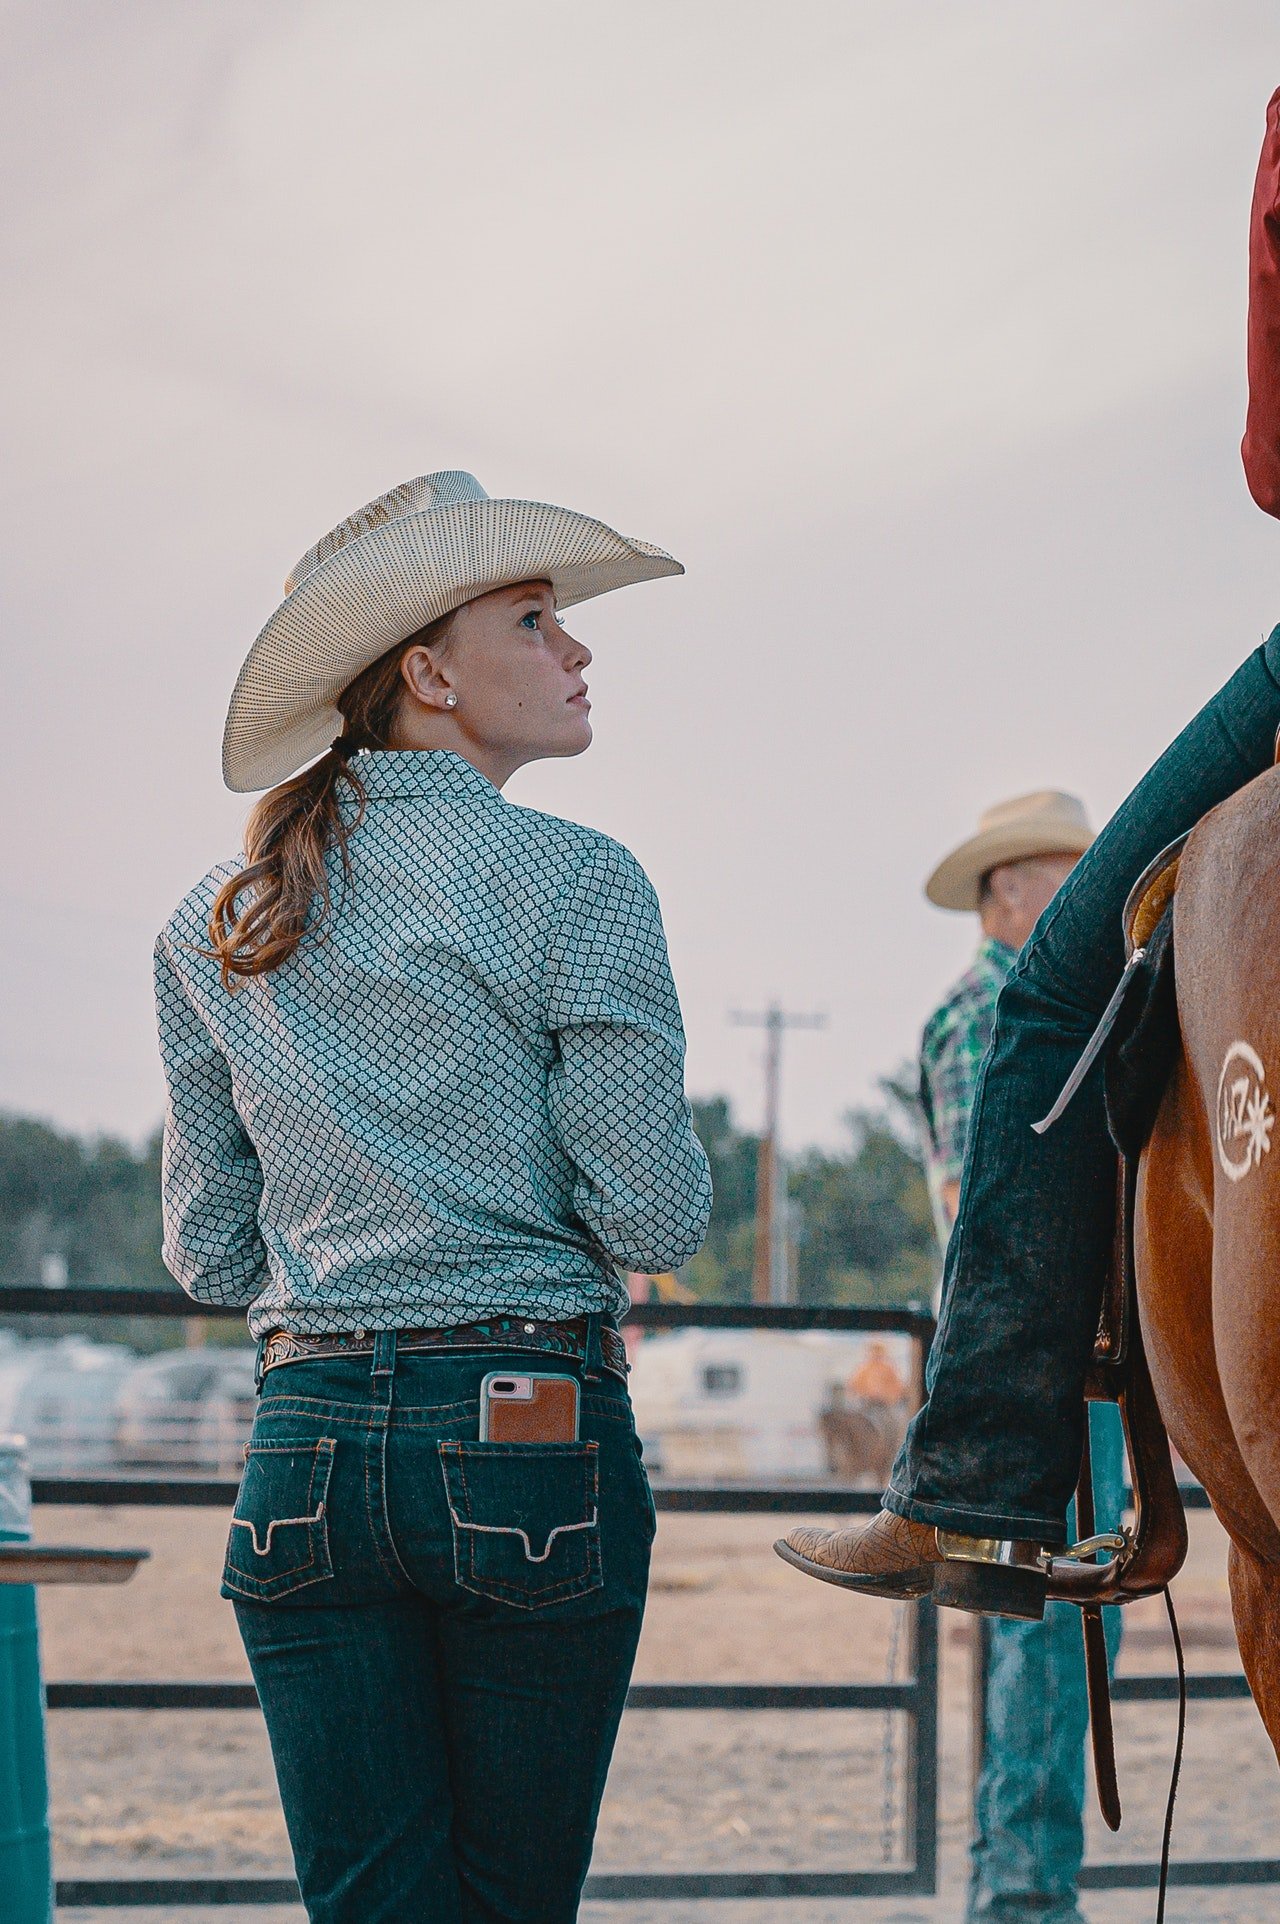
(528,1407)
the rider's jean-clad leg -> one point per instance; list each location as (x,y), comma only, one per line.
(996,1449)
(441,1633)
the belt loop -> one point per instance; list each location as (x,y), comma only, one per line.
(594,1359)
(258,1371)
(384,1353)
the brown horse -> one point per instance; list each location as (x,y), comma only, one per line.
(1207,1233)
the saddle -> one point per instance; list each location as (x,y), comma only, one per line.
(1138,1038)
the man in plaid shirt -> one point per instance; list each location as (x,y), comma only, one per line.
(951,1050)
(1028,1838)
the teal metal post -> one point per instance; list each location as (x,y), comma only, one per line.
(26,1870)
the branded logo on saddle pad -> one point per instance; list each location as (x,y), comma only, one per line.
(1246,1116)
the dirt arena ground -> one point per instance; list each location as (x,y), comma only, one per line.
(160,1794)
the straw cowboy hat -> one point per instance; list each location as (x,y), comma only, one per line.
(411,556)
(1046,823)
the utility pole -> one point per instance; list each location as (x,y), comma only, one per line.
(771,1270)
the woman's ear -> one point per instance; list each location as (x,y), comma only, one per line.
(426,679)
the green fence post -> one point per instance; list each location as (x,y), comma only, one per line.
(26,1870)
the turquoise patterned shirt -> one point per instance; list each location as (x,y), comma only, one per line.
(952,1047)
(467,1099)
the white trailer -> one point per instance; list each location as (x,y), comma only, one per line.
(746,1403)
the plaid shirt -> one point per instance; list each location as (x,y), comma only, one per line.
(952,1047)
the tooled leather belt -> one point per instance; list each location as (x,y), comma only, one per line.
(499,1332)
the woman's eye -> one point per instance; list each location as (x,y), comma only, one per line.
(530,622)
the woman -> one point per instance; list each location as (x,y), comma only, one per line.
(425,1071)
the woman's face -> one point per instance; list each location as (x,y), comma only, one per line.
(516,677)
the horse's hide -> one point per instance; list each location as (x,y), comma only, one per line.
(1143,1046)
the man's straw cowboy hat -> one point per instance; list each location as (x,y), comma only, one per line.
(403,561)
(1046,823)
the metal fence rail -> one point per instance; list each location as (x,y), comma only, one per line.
(1204,1686)
(915,1699)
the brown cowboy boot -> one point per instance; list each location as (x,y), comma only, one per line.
(889,1557)
(893,1556)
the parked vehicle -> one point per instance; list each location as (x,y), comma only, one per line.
(186,1410)
(61,1396)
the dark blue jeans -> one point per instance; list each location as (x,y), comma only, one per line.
(996,1449)
(1028,1816)
(441,1632)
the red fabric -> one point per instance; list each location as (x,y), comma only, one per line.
(1260,449)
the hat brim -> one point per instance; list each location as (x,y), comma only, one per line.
(956,883)
(372,593)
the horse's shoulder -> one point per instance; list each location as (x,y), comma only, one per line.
(1226,925)
(1231,851)
(1251,811)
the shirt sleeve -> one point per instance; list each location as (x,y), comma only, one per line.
(1260,449)
(642,1187)
(211,1179)
(950,1058)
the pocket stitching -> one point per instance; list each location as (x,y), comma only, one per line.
(498,1589)
(317,1560)
(276,1523)
(514,1530)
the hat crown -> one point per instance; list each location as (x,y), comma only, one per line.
(1046,822)
(1051,803)
(427,491)
(400,563)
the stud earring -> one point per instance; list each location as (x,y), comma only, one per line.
(451,701)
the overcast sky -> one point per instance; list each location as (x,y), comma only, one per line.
(916,332)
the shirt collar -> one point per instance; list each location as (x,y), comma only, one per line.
(998,953)
(421,774)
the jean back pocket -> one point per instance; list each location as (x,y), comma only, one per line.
(526,1520)
(279,1538)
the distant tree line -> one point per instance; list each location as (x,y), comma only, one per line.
(89,1211)
(91,1208)
(860,1223)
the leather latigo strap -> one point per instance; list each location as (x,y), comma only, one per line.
(1157,1544)
(568,1338)
(1155,1547)
(1096,1668)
